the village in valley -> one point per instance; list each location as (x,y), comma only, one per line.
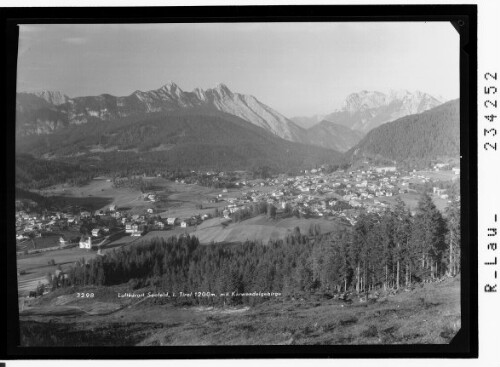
(181,206)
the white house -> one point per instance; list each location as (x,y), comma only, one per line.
(128,227)
(96,232)
(171,221)
(86,242)
(137,229)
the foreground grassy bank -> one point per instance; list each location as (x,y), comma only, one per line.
(428,314)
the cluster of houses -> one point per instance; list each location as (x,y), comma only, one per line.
(337,194)
(35,223)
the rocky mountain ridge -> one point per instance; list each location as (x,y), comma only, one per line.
(170,97)
(367,110)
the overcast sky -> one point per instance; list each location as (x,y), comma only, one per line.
(296,68)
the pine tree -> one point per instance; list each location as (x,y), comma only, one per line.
(428,233)
(387,246)
(402,227)
(453,238)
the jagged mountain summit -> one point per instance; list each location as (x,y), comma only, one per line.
(55,98)
(367,110)
(170,97)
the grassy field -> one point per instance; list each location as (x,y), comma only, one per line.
(429,314)
(259,228)
(98,194)
(125,240)
(48,240)
(176,200)
(182,200)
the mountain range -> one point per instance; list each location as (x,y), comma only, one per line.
(366,110)
(45,112)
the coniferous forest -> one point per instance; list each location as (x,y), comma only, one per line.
(381,251)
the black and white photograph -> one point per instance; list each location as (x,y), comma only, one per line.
(238,183)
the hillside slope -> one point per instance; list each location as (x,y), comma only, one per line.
(418,138)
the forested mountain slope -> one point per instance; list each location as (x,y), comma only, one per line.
(420,137)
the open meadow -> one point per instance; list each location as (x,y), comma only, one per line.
(97,194)
(260,228)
